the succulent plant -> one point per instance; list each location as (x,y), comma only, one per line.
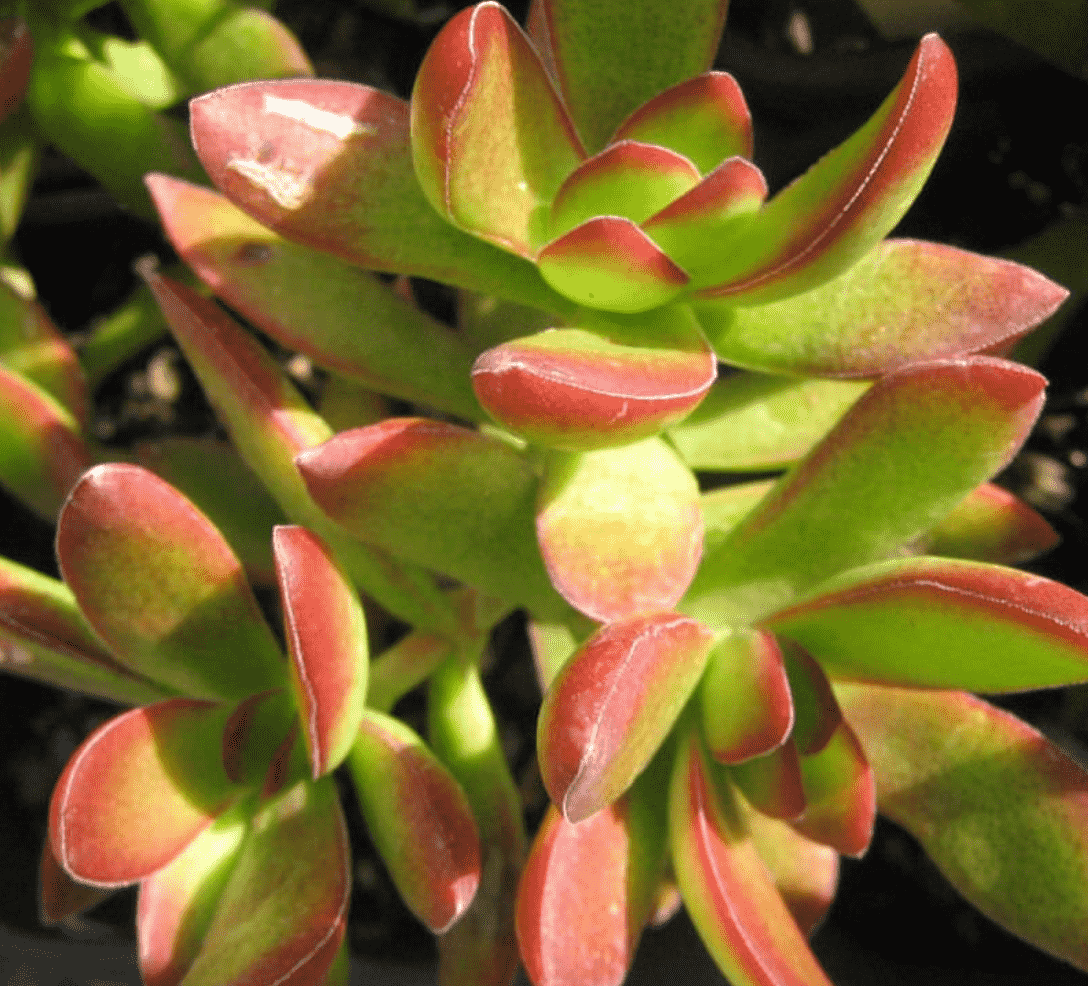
(736,677)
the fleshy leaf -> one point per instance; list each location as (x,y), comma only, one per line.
(42,449)
(44,636)
(609,263)
(159,584)
(727,890)
(750,421)
(311,302)
(326,639)
(897,622)
(904,302)
(270,422)
(991,525)
(176,904)
(59,895)
(404,666)
(912,447)
(806,873)
(817,715)
(628,179)
(849,201)
(419,818)
(705,118)
(580,389)
(586,893)
(609,57)
(283,912)
(16,54)
(258,737)
(138,790)
(613,704)
(491,141)
(329,164)
(745,698)
(438,495)
(620,530)
(999,808)
(840,795)
(725,507)
(772,782)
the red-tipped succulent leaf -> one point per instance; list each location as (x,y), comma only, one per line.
(59,895)
(772,782)
(16,55)
(613,704)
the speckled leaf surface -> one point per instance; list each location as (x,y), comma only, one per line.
(754,421)
(620,530)
(327,643)
(606,65)
(944,623)
(999,808)
(586,388)
(612,705)
(849,200)
(311,302)
(727,890)
(704,118)
(491,140)
(419,818)
(904,302)
(329,164)
(439,495)
(160,585)
(282,914)
(138,790)
(906,453)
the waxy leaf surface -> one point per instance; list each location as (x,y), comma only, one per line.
(419,818)
(705,118)
(620,530)
(491,140)
(904,302)
(905,454)
(756,421)
(283,912)
(847,202)
(612,705)
(727,890)
(942,623)
(579,389)
(326,639)
(329,164)
(160,585)
(438,495)
(610,57)
(1000,809)
(138,790)
(745,697)
(342,318)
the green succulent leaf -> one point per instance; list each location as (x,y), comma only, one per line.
(338,176)
(911,448)
(138,790)
(846,203)
(998,807)
(20,150)
(438,495)
(620,530)
(725,507)
(904,302)
(753,421)
(609,57)
(612,704)
(162,587)
(282,915)
(491,141)
(941,623)
(727,890)
(419,818)
(311,302)
(772,782)
(705,118)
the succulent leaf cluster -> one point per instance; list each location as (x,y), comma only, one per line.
(735,678)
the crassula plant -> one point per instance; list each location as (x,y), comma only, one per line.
(735,678)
